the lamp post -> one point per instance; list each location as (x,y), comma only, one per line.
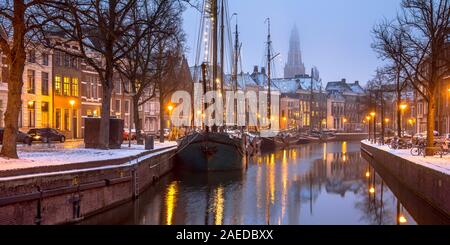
(403,107)
(170,109)
(368,125)
(72,104)
(374,114)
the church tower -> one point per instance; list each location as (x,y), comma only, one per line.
(294,65)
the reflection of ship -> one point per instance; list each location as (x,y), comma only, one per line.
(211,150)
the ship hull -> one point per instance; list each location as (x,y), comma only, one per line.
(210,152)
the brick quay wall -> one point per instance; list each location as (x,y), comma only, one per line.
(69,196)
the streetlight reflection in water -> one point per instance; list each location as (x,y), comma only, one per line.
(308,184)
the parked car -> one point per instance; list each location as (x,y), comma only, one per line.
(21,137)
(126,133)
(46,135)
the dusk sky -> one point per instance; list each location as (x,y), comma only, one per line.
(335,34)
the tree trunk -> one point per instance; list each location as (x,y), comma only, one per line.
(399,114)
(161,119)
(106,111)
(431,122)
(137,122)
(16,61)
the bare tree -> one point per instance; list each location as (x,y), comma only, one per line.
(18,28)
(162,23)
(416,41)
(99,28)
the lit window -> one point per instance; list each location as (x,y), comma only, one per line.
(75,87)
(57,85)
(66,88)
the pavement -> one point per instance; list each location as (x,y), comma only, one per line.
(72,153)
(433,162)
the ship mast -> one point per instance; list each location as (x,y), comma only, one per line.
(269,60)
(235,70)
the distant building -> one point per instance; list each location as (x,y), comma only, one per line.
(294,66)
(344,107)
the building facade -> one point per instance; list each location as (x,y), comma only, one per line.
(67,75)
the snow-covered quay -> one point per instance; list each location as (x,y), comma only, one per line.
(433,162)
(427,177)
(66,184)
(43,156)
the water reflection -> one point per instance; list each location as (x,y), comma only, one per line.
(313,184)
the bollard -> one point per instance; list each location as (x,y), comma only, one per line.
(149,142)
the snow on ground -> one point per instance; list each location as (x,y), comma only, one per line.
(436,162)
(62,154)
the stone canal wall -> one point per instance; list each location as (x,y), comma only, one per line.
(69,196)
(431,185)
(351,136)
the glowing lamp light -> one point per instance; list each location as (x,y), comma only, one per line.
(30,103)
(402,219)
(373,114)
(72,102)
(387,120)
(368,118)
(345,120)
(372,190)
(284,119)
(199,112)
(170,107)
(403,107)
(367,174)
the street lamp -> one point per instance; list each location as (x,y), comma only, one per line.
(368,124)
(72,104)
(373,114)
(403,107)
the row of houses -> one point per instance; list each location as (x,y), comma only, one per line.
(61,90)
(305,103)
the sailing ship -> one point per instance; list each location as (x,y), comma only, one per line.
(212,148)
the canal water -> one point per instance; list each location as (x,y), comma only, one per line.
(318,184)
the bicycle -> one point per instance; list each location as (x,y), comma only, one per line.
(419,149)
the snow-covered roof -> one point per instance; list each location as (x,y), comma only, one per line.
(244,80)
(345,88)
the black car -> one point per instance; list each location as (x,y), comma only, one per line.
(21,137)
(46,135)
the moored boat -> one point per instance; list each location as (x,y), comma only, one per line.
(206,151)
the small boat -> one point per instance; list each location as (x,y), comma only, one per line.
(207,151)
(271,143)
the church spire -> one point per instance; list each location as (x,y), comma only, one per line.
(294,65)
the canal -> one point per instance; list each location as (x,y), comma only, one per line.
(329,183)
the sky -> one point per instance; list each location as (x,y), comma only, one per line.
(335,35)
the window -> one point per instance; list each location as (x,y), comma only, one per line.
(45,59)
(57,85)
(66,119)
(32,56)
(58,58)
(44,83)
(117,87)
(94,88)
(74,62)
(45,117)
(66,88)
(31,82)
(117,106)
(75,87)
(58,118)
(31,114)
(127,106)
(66,60)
